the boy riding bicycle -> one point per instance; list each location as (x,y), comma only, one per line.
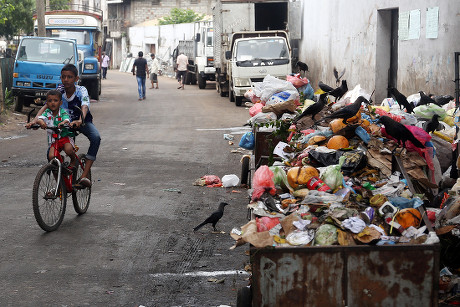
(56,116)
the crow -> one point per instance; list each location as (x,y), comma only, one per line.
(213,218)
(348,111)
(442,100)
(337,76)
(424,99)
(314,108)
(324,87)
(399,132)
(432,124)
(401,99)
(302,66)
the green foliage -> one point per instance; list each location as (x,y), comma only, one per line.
(59,5)
(181,16)
(19,18)
(5,11)
(9,98)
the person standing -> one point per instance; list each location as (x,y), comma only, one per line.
(140,69)
(182,62)
(154,67)
(105,64)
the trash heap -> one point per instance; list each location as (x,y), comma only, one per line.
(335,183)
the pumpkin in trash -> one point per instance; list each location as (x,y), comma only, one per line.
(409,217)
(301,175)
(336,125)
(337,142)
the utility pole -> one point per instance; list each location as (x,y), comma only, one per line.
(41,17)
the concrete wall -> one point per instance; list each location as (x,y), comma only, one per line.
(355,35)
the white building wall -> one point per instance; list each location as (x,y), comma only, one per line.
(348,34)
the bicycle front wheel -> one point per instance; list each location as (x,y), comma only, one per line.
(81,195)
(49,198)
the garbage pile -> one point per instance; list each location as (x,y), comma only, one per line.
(375,176)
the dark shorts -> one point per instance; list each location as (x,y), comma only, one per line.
(153,77)
(180,74)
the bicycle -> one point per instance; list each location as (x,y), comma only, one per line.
(54,183)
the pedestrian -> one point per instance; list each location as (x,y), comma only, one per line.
(154,67)
(140,69)
(105,64)
(182,62)
(75,100)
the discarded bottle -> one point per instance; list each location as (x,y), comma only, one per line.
(317,184)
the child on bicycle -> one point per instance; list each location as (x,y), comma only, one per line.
(56,116)
(74,99)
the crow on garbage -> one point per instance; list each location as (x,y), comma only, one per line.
(324,87)
(442,100)
(424,99)
(399,132)
(213,218)
(337,92)
(432,124)
(401,99)
(313,109)
(348,111)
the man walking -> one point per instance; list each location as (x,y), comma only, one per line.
(181,61)
(105,64)
(140,69)
(154,67)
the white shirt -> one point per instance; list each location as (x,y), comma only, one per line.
(154,66)
(182,61)
(105,61)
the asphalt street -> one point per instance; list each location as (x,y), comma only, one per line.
(135,245)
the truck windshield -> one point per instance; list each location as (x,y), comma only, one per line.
(209,38)
(262,49)
(81,36)
(46,50)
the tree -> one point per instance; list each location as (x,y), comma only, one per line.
(19,18)
(59,5)
(5,11)
(181,16)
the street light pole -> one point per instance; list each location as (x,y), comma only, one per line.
(40,17)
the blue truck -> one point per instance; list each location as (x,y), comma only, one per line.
(85,27)
(37,67)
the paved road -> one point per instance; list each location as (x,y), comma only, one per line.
(135,245)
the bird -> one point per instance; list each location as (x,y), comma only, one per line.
(399,132)
(348,111)
(324,87)
(401,99)
(337,92)
(302,66)
(432,124)
(214,217)
(424,99)
(442,100)
(337,76)
(314,108)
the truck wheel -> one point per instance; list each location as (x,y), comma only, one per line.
(238,100)
(244,297)
(99,84)
(245,171)
(18,103)
(201,81)
(94,91)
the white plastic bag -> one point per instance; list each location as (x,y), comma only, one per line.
(270,86)
(262,118)
(283,96)
(231,180)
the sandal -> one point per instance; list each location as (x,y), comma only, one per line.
(85,182)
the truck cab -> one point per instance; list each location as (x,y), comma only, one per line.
(37,67)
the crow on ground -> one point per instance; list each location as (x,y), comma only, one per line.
(424,99)
(401,99)
(314,108)
(399,132)
(213,218)
(348,111)
(337,76)
(432,124)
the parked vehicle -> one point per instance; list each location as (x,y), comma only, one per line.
(85,27)
(37,68)
(250,42)
(200,52)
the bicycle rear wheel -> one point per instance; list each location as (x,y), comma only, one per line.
(49,205)
(81,195)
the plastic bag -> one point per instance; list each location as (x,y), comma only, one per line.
(307,91)
(332,175)
(262,118)
(270,86)
(231,180)
(326,235)
(250,95)
(266,223)
(280,108)
(209,181)
(427,111)
(262,182)
(283,96)
(247,140)
(257,108)
(280,177)
(296,80)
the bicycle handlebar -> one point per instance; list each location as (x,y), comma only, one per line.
(56,129)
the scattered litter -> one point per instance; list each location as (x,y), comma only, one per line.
(172,190)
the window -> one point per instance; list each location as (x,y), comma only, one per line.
(46,50)
(81,36)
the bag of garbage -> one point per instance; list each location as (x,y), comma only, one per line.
(251,96)
(262,182)
(326,234)
(257,108)
(270,86)
(231,180)
(428,110)
(307,91)
(332,176)
(296,80)
(280,108)
(262,118)
(247,140)
(283,96)
(280,177)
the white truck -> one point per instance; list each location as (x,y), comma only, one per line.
(251,41)
(200,52)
